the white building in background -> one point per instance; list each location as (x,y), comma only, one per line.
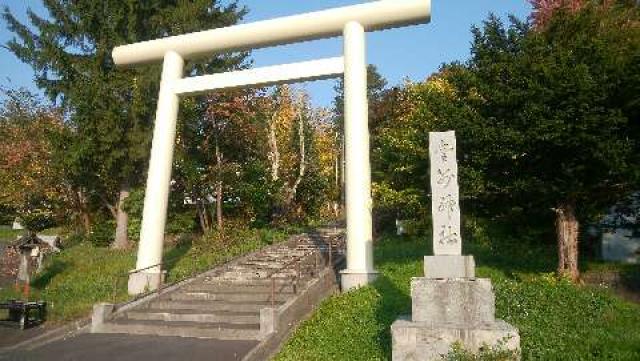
(17,226)
(621,232)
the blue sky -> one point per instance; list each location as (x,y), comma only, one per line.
(413,52)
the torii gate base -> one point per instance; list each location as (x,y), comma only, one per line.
(352,22)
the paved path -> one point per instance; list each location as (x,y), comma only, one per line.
(114,347)
(12,335)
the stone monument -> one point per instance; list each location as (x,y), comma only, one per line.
(449,304)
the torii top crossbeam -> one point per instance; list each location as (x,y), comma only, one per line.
(373,16)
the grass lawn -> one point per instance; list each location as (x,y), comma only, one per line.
(8,235)
(557,320)
(83,274)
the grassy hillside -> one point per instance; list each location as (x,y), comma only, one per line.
(557,320)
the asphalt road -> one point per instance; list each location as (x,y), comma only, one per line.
(115,347)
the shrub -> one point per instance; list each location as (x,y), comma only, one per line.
(494,353)
(102,233)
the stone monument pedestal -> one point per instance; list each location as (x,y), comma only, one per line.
(426,341)
(450,309)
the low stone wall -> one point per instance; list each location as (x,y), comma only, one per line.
(277,324)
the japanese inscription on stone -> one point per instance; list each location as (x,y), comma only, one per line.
(445,205)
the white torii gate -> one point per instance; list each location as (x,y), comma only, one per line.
(352,22)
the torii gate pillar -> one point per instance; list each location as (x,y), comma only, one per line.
(358,203)
(148,274)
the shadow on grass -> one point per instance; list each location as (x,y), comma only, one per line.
(630,277)
(394,303)
(518,259)
(42,280)
(399,258)
(510,249)
(175,254)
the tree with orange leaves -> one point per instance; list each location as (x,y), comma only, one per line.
(29,181)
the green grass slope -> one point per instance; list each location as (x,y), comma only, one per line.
(557,320)
(83,274)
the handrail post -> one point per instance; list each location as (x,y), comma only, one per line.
(115,290)
(273,292)
(330,253)
(297,274)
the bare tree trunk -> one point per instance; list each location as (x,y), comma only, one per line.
(203,225)
(83,211)
(219,221)
(337,170)
(122,220)
(205,214)
(291,194)
(567,233)
(219,215)
(86,221)
(274,154)
(203,217)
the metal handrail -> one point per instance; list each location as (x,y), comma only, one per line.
(162,285)
(114,294)
(297,261)
(144,269)
(227,259)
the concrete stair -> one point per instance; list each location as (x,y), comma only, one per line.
(221,331)
(250,318)
(226,303)
(212,306)
(230,297)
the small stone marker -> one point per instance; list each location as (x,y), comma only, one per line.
(449,304)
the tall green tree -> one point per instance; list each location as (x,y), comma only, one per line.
(376,87)
(550,127)
(546,121)
(218,136)
(110,109)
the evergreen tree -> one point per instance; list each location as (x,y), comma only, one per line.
(110,109)
(546,121)
(376,86)
(550,124)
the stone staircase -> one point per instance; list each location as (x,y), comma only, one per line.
(226,303)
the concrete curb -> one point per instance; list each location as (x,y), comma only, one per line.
(285,319)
